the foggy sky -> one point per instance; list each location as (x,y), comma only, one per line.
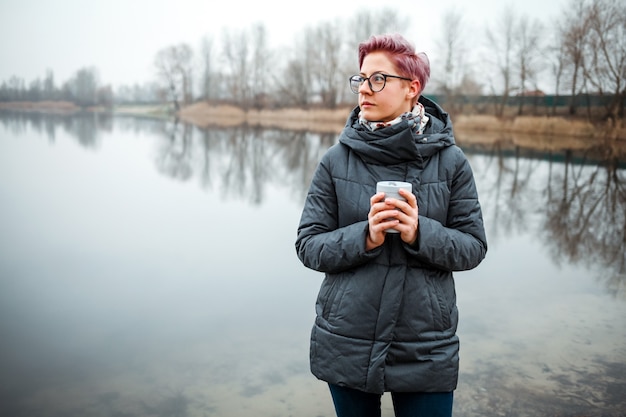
(121,38)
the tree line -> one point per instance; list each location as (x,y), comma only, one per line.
(83,88)
(580,52)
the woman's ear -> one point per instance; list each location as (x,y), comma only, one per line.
(414,89)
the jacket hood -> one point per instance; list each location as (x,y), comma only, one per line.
(399,143)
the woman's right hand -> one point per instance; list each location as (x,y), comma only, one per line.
(381,217)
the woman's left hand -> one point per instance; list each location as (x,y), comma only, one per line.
(408,216)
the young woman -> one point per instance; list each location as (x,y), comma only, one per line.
(386,311)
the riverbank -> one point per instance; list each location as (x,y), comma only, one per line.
(332,121)
(41,106)
(529,132)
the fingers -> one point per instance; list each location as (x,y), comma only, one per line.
(404,215)
(392,213)
(376,198)
(410,197)
(377,219)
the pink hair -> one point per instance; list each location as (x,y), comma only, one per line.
(410,64)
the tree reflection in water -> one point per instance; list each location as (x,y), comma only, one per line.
(579,204)
(174,155)
(241,161)
(585,219)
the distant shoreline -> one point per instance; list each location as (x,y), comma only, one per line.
(560,132)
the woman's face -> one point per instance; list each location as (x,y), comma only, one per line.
(393,100)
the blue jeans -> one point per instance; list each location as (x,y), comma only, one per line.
(353,403)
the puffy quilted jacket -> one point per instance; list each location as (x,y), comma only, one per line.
(386,319)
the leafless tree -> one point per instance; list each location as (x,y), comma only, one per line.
(174,69)
(49,88)
(207,87)
(326,69)
(557,58)
(368,22)
(235,53)
(84,86)
(501,44)
(294,84)
(452,47)
(572,37)
(247,57)
(528,38)
(34,92)
(260,82)
(605,52)
(453,77)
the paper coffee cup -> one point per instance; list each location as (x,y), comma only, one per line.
(391,190)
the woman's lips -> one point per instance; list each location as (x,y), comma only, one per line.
(366,104)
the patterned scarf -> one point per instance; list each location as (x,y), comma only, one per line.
(417,120)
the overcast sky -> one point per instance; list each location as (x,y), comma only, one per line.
(121,37)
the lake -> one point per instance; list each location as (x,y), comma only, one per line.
(148,268)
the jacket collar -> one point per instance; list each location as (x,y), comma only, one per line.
(399,143)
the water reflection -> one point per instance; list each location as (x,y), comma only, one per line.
(123,294)
(242,160)
(85,127)
(577,205)
(585,216)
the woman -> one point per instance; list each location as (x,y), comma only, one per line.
(386,311)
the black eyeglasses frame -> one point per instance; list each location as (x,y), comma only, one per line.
(357,80)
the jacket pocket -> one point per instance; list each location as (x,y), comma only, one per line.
(327,295)
(334,288)
(440,304)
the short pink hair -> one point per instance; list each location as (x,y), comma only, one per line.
(410,64)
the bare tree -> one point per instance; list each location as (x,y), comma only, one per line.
(297,84)
(528,35)
(326,69)
(260,83)
(453,77)
(17,89)
(235,52)
(294,85)
(206,57)
(49,88)
(34,92)
(84,86)
(325,55)
(605,52)
(368,22)
(174,68)
(558,62)
(501,42)
(452,47)
(574,32)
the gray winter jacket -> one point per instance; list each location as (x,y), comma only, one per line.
(387,319)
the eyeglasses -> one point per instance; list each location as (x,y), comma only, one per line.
(376,81)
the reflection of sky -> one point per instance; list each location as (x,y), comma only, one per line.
(116,278)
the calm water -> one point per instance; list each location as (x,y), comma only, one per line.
(148,269)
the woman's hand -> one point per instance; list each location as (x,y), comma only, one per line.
(409,222)
(392,213)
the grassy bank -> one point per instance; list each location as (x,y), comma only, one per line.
(316,120)
(203,114)
(530,132)
(41,106)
